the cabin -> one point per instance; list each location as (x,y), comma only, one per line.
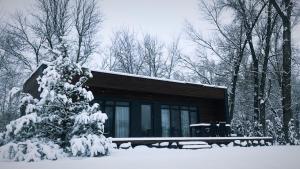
(141,106)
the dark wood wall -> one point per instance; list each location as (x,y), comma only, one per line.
(209,110)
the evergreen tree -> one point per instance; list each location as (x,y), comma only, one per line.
(257,129)
(279,131)
(62,115)
(270,130)
(293,136)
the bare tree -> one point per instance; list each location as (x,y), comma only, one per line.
(24,33)
(152,53)
(52,20)
(11,71)
(233,37)
(125,50)
(263,32)
(87,20)
(174,55)
(145,56)
(285,12)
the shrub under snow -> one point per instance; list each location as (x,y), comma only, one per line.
(2,138)
(90,145)
(293,136)
(31,150)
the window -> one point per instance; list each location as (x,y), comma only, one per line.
(165,121)
(193,119)
(108,126)
(122,119)
(185,123)
(175,121)
(146,120)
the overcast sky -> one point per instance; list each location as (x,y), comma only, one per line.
(162,18)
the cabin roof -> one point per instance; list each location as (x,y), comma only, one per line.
(156,78)
(138,83)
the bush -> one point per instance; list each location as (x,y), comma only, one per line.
(90,145)
(31,150)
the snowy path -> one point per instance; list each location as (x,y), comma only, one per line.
(274,157)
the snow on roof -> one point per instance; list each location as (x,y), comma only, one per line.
(139,76)
(33,72)
(157,78)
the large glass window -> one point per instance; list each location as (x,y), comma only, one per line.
(185,123)
(108,127)
(165,121)
(122,120)
(193,116)
(193,119)
(175,121)
(146,120)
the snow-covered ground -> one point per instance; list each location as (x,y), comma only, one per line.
(273,157)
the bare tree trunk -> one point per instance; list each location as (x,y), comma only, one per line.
(234,80)
(286,77)
(262,101)
(255,78)
(285,15)
(249,26)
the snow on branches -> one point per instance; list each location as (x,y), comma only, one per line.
(293,135)
(22,128)
(31,150)
(89,145)
(62,114)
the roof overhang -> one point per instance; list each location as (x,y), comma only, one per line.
(138,83)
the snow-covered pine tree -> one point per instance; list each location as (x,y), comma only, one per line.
(256,130)
(237,125)
(22,140)
(279,131)
(66,112)
(293,135)
(61,118)
(26,126)
(270,129)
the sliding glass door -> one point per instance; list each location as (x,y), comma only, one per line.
(176,120)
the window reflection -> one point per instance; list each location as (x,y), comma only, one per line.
(175,120)
(146,120)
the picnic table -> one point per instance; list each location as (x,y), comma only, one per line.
(210,129)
